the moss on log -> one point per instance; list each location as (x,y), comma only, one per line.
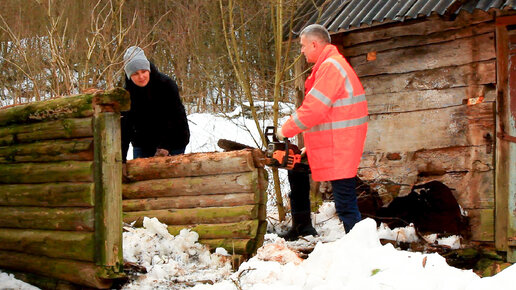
(48,151)
(67,107)
(216,200)
(66,171)
(78,272)
(54,244)
(65,218)
(48,194)
(198,185)
(195,164)
(212,215)
(59,129)
(233,246)
(241,230)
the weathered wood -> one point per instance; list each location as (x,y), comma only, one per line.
(233,246)
(427,99)
(66,171)
(482,224)
(478,73)
(48,194)
(67,107)
(458,52)
(108,192)
(214,184)
(195,164)
(48,151)
(418,40)
(59,129)
(429,129)
(54,244)
(241,230)
(82,273)
(215,200)
(65,218)
(426,26)
(212,215)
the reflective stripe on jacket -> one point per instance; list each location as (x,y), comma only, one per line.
(333,117)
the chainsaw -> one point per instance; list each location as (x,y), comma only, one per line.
(281,154)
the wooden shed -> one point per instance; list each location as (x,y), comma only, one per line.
(439,77)
(63,204)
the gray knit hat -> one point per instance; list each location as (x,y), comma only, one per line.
(134,59)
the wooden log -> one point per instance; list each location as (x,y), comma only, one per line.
(60,129)
(67,107)
(458,52)
(216,200)
(54,244)
(477,73)
(195,164)
(240,230)
(42,282)
(233,246)
(212,215)
(418,40)
(48,194)
(65,218)
(48,151)
(214,184)
(427,99)
(108,192)
(449,127)
(66,171)
(82,273)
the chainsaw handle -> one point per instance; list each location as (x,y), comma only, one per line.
(271,131)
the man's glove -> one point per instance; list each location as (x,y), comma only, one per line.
(279,134)
(161,152)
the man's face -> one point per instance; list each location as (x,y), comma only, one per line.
(310,48)
(141,77)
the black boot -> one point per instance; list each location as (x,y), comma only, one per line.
(301,226)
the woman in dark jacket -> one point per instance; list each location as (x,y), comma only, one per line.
(156,124)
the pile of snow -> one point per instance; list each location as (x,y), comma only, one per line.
(7,281)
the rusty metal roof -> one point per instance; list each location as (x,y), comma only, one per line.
(340,15)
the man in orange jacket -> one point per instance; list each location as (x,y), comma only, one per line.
(333,119)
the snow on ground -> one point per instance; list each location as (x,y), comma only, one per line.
(356,260)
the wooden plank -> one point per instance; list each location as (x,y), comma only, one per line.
(449,127)
(82,273)
(67,107)
(418,40)
(212,215)
(48,194)
(108,192)
(40,218)
(215,200)
(478,73)
(65,171)
(195,164)
(59,129)
(198,185)
(240,230)
(425,26)
(482,224)
(457,52)
(427,99)
(54,244)
(48,151)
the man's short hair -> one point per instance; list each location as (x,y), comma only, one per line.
(318,31)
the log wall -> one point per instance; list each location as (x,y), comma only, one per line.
(59,166)
(419,78)
(221,196)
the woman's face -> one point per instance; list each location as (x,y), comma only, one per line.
(141,77)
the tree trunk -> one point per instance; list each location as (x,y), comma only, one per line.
(48,194)
(65,218)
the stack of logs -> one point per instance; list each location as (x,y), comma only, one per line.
(221,196)
(58,207)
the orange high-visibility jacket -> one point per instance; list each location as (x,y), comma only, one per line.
(333,117)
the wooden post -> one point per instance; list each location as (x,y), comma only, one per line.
(108,194)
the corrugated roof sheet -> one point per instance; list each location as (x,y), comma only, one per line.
(341,15)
